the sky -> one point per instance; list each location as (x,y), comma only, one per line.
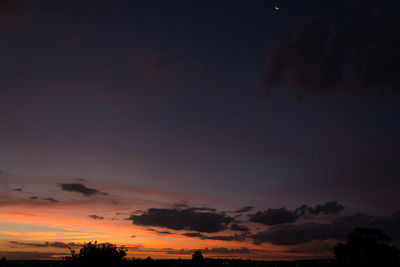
(263,129)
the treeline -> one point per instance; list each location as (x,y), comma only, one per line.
(188,263)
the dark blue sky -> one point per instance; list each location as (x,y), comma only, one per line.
(224,103)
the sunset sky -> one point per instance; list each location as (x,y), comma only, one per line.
(262,129)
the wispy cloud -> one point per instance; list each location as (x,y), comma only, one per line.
(244,209)
(47,244)
(96,217)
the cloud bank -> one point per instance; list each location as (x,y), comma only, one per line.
(360,57)
(183,219)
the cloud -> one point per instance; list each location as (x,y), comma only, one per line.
(182,219)
(332,207)
(202,209)
(360,57)
(52,200)
(47,244)
(185,205)
(244,209)
(193,235)
(328,208)
(160,232)
(96,217)
(237,227)
(274,216)
(29,255)
(16,189)
(318,248)
(293,234)
(283,215)
(80,188)
(234,237)
(390,225)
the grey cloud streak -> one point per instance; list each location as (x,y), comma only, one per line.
(80,188)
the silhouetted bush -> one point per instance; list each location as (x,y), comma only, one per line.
(93,254)
(197,258)
(367,247)
(3,262)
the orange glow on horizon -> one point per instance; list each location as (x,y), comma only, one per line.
(60,225)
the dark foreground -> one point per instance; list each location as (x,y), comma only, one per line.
(188,263)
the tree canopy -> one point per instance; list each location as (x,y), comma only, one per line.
(367,247)
(94,254)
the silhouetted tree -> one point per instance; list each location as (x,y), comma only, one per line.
(93,254)
(367,247)
(3,262)
(197,258)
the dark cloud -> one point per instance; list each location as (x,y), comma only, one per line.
(234,237)
(17,189)
(328,208)
(29,255)
(283,215)
(293,234)
(303,210)
(343,225)
(181,205)
(202,209)
(390,225)
(244,209)
(182,219)
(193,235)
(360,57)
(164,232)
(185,205)
(321,249)
(160,232)
(274,216)
(332,207)
(80,188)
(96,217)
(47,244)
(238,227)
(52,200)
